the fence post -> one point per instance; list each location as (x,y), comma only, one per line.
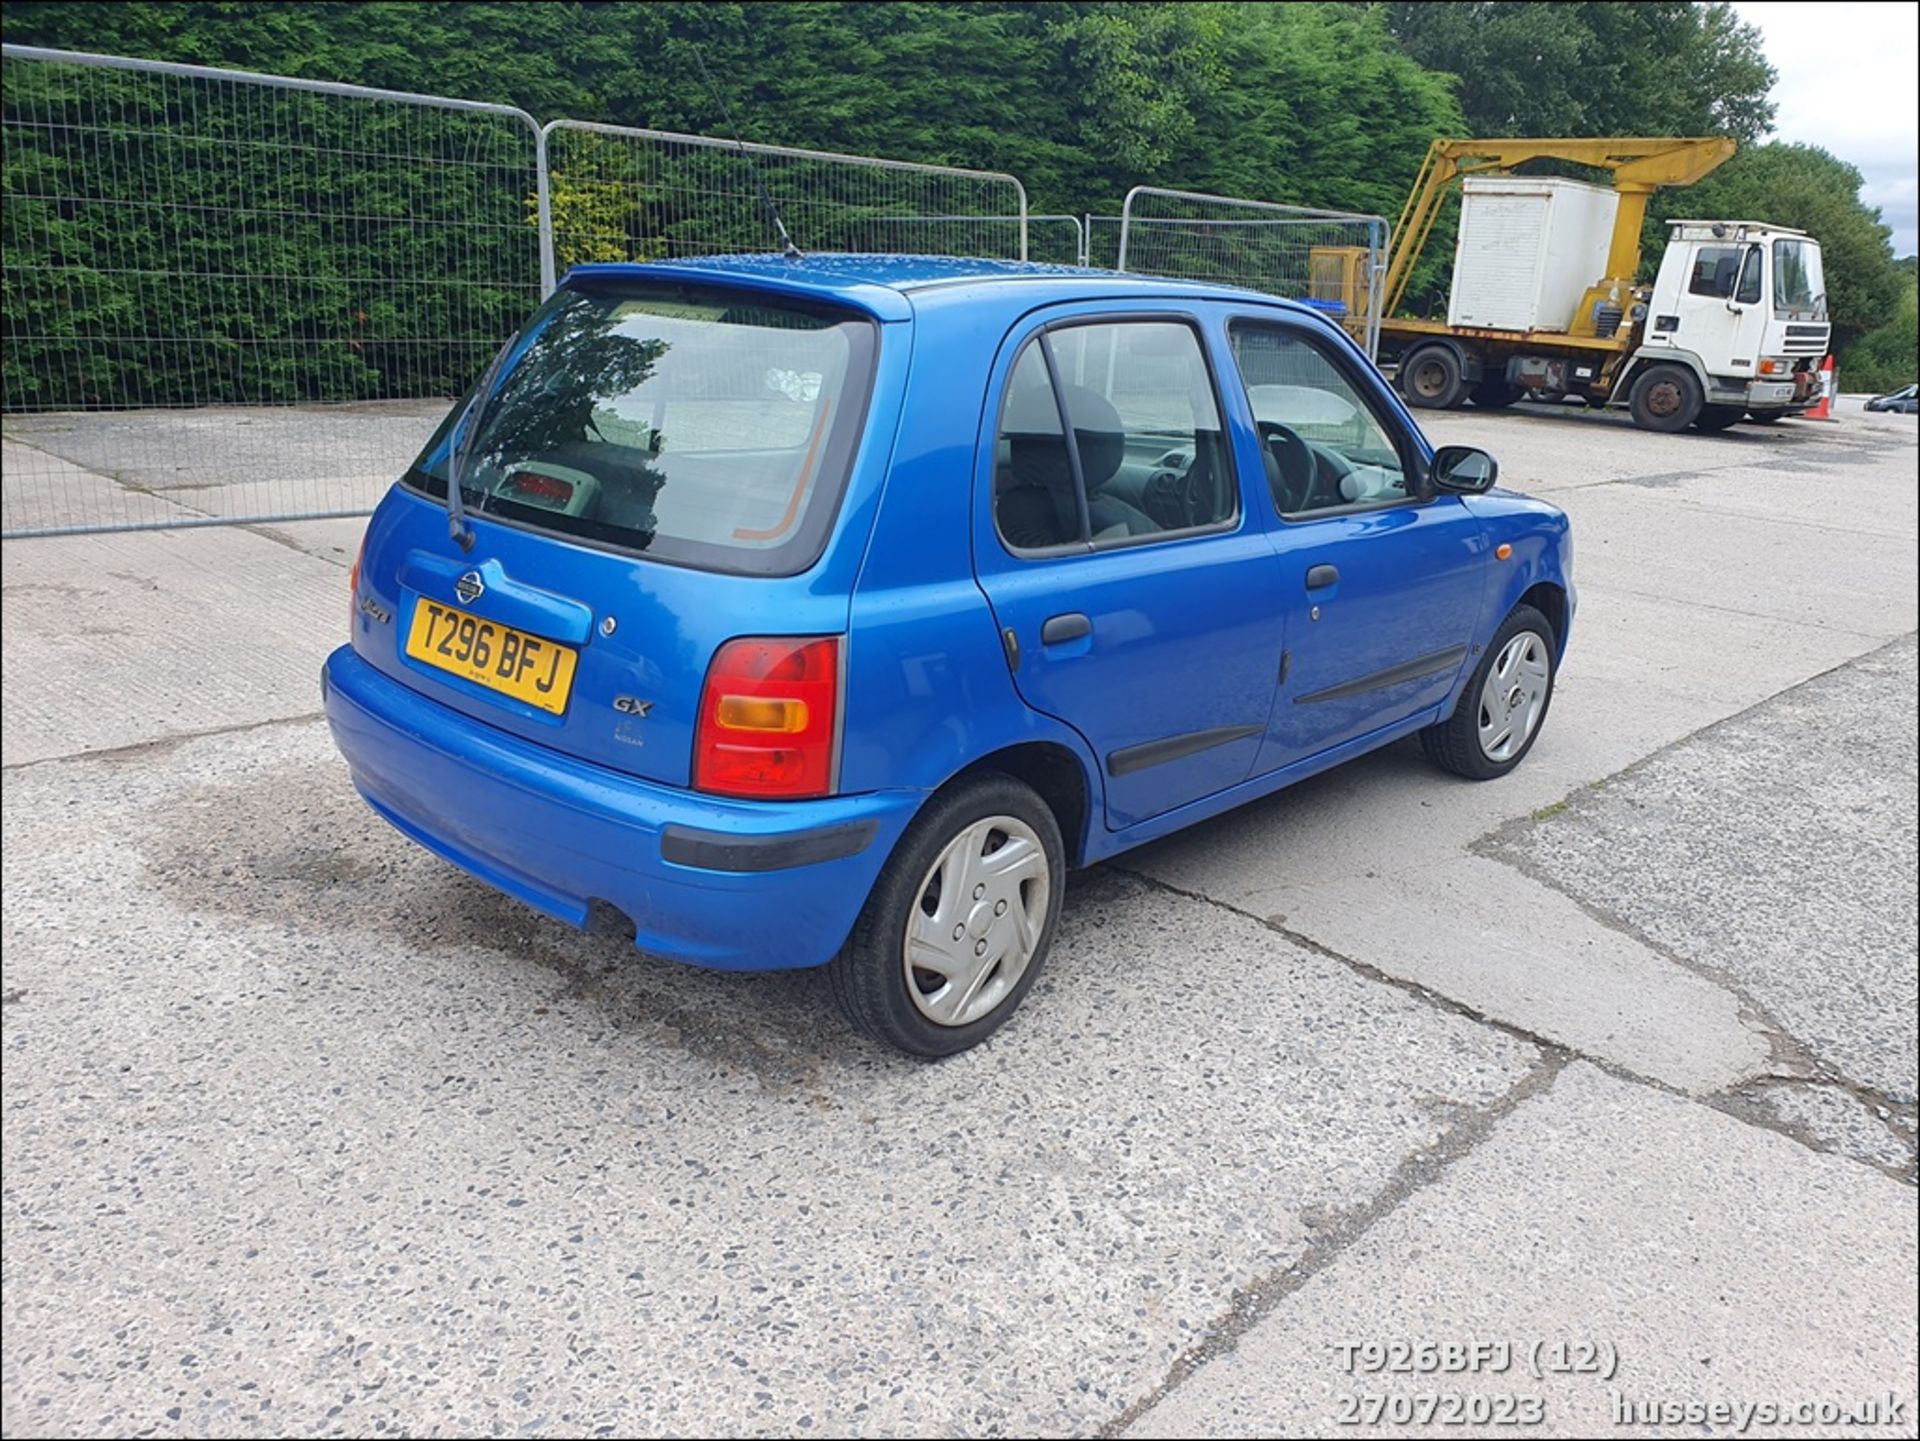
(1126,219)
(1376,272)
(543,189)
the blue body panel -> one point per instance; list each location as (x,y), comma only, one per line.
(1188,636)
(559,834)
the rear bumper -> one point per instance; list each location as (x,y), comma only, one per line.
(734,885)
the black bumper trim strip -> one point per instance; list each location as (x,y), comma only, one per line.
(720,851)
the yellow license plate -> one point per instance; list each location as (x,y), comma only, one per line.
(539,672)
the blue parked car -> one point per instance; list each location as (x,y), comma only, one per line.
(829,611)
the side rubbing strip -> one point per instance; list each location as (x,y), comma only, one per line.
(1393,675)
(1129,759)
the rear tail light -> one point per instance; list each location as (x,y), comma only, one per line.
(353,587)
(768,718)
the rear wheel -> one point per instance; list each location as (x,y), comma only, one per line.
(1666,398)
(1430,378)
(1494,393)
(958,923)
(1501,711)
(1718,417)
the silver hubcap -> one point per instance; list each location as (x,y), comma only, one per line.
(977,921)
(1514,696)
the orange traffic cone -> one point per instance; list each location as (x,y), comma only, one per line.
(1829,378)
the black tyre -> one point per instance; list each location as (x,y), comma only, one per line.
(959,922)
(1494,393)
(1766,417)
(1430,378)
(1504,705)
(1665,398)
(1718,417)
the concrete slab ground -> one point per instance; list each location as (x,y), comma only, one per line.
(68,468)
(41,491)
(115,640)
(342,1116)
(1818,783)
(1700,1259)
(307,1132)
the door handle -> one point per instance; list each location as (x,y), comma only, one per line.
(1319,577)
(1062,628)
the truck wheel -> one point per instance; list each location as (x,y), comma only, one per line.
(1766,417)
(1665,397)
(959,921)
(1430,378)
(1718,417)
(1493,393)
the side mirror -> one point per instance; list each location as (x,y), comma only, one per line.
(1463,470)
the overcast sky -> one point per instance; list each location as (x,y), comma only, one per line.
(1850,81)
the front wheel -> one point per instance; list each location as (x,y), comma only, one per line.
(1665,398)
(1718,417)
(1501,711)
(1766,417)
(959,921)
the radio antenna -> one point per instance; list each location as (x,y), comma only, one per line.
(788,248)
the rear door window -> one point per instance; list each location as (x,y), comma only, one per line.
(1146,456)
(702,425)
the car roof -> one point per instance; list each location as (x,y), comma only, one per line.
(869,280)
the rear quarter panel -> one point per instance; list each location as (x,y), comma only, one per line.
(928,689)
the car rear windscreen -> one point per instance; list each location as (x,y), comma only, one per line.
(702,425)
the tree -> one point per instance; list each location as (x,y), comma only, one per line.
(1601,68)
(1139,71)
(1883,359)
(1321,109)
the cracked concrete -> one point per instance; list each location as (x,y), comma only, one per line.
(1252,1304)
(1607,1214)
(1722,851)
(305,1131)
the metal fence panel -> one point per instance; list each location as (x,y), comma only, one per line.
(621,193)
(1332,259)
(232,296)
(1103,241)
(1051,239)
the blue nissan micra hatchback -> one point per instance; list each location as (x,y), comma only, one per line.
(828,611)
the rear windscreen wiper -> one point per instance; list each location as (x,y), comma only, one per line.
(462,449)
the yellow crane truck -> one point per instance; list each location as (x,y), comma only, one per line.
(1544,300)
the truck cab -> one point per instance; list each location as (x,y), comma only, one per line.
(1744,307)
